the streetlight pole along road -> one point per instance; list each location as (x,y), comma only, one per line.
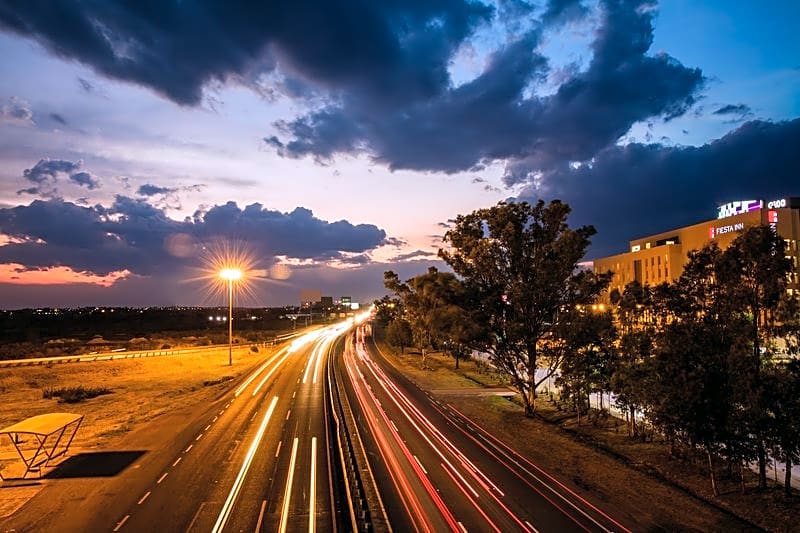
(230,275)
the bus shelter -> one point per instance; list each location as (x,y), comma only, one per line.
(43,438)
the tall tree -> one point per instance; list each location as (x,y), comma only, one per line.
(520,263)
(782,385)
(430,301)
(753,272)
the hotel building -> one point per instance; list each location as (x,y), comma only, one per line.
(657,258)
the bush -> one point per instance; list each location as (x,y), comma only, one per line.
(254,348)
(223,379)
(74,394)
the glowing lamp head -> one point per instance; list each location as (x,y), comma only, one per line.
(230,274)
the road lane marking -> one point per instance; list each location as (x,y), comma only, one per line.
(288,413)
(200,436)
(208,426)
(394,426)
(239,481)
(462,527)
(288,493)
(215,419)
(312,491)
(261,516)
(530,526)
(278,451)
(143,498)
(294,394)
(189,448)
(162,478)
(420,464)
(122,522)
(178,460)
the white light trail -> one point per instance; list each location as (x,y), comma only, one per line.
(312,491)
(288,493)
(237,484)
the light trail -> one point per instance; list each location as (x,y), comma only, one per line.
(276,367)
(312,491)
(237,484)
(288,493)
(257,372)
(432,492)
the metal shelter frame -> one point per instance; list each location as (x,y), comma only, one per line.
(41,439)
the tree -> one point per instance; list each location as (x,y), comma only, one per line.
(690,397)
(588,338)
(398,333)
(430,301)
(753,271)
(520,264)
(782,383)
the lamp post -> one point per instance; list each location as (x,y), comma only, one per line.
(230,275)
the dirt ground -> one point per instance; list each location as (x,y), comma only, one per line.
(637,481)
(141,390)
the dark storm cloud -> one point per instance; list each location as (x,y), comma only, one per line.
(85,179)
(45,177)
(495,117)
(731,109)
(639,189)
(153,190)
(400,47)
(131,234)
(563,11)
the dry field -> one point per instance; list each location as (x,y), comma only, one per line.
(141,390)
(637,482)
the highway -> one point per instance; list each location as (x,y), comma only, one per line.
(441,472)
(267,455)
(256,459)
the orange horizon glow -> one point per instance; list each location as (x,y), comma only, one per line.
(17,274)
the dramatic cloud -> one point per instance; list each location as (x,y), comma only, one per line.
(133,235)
(563,11)
(15,110)
(638,189)
(730,109)
(496,116)
(399,47)
(45,177)
(153,190)
(85,180)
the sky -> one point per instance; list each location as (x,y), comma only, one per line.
(324,142)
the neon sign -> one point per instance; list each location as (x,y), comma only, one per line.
(737,208)
(777,204)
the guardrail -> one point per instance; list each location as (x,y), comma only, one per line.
(116,354)
(359,515)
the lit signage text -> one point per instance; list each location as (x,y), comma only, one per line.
(737,208)
(777,204)
(714,232)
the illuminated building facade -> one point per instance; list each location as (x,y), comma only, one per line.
(658,258)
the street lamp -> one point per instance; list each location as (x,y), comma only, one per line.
(230,275)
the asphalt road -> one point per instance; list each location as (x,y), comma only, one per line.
(256,459)
(439,471)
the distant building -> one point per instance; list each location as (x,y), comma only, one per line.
(326,302)
(346,301)
(309,297)
(658,258)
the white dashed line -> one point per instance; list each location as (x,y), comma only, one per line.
(178,460)
(162,478)
(122,522)
(187,449)
(144,498)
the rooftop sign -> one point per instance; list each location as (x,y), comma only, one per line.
(737,208)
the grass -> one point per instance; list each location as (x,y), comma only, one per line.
(74,394)
(143,389)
